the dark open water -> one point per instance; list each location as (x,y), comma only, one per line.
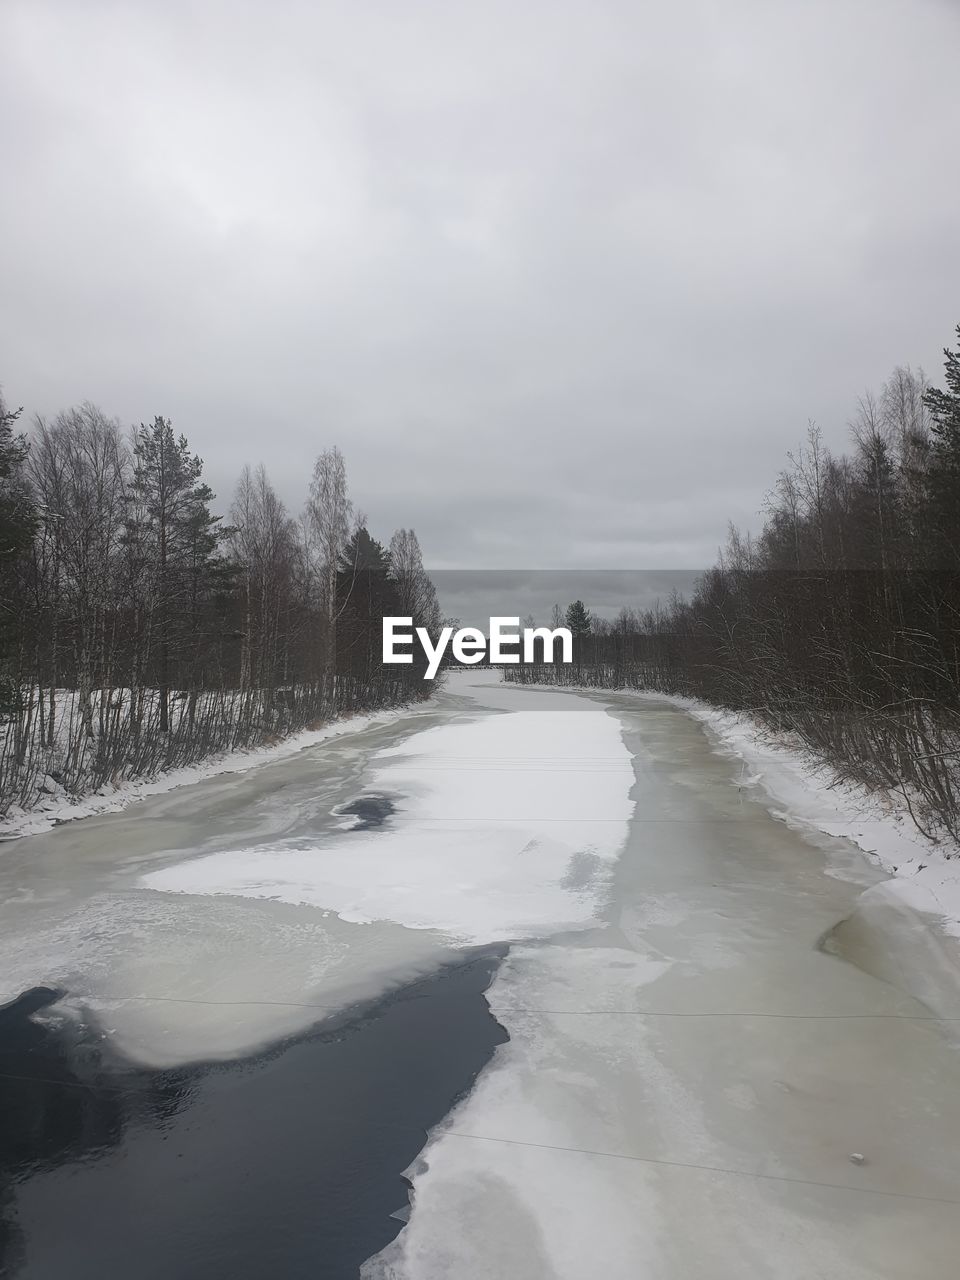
(286,1164)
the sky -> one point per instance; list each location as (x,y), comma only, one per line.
(564,281)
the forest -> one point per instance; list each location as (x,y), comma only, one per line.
(840,622)
(140,631)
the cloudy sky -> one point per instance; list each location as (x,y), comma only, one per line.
(563,280)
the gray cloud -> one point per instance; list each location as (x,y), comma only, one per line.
(563,280)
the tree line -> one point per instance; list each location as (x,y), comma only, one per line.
(840,621)
(139,630)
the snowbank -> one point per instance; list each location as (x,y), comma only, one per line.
(56,808)
(806,794)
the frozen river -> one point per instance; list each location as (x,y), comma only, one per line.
(699,1017)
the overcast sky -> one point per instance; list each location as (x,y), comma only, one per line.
(563,280)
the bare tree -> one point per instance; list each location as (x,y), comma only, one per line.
(79,468)
(263,542)
(416,594)
(327,522)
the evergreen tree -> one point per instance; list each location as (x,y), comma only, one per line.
(17,526)
(366,593)
(176,541)
(577,620)
(943,469)
(17,515)
(363,554)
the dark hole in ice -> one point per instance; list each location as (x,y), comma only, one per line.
(370,811)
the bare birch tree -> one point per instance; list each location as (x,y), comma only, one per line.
(327,521)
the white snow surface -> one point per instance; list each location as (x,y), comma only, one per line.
(505,827)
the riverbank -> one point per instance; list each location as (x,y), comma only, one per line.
(54,807)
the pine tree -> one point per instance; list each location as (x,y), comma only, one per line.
(17,516)
(177,542)
(943,470)
(577,620)
(364,554)
(366,593)
(18,523)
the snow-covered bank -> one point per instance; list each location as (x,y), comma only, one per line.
(505,827)
(806,794)
(54,809)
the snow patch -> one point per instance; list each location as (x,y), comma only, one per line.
(505,827)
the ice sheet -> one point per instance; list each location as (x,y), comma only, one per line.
(554,1217)
(581,1152)
(504,827)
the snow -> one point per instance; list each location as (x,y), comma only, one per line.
(805,794)
(57,808)
(505,827)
